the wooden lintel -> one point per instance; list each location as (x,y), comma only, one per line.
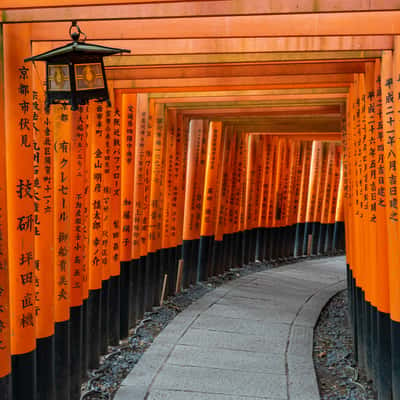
(277,25)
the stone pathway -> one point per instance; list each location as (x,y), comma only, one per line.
(249,339)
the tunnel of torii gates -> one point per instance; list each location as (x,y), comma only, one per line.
(238,131)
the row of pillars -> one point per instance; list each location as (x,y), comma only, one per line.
(371,185)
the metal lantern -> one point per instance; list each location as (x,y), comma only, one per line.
(75,72)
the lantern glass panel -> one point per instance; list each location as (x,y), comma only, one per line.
(58,78)
(89,76)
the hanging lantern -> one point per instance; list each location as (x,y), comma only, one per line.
(75,72)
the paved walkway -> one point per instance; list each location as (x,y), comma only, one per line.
(249,339)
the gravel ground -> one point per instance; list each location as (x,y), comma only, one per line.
(338,376)
(116,365)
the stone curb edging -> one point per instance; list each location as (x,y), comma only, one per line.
(301,376)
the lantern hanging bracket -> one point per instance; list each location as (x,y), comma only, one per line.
(75,32)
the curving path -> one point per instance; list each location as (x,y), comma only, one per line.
(249,339)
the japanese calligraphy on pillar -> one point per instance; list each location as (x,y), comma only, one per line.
(61,118)
(43,147)
(242,171)
(107,194)
(177,212)
(115,193)
(78,243)
(211,174)
(142,144)
(305,180)
(371,175)
(156,190)
(194,144)
(389,139)
(265,182)
(20,198)
(148,158)
(97,154)
(170,183)
(5,360)
(380,149)
(128,122)
(198,182)
(296,183)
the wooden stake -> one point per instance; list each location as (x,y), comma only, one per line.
(309,244)
(179,277)
(163,289)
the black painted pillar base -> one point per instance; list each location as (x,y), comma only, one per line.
(360,325)
(321,239)
(282,237)
(158,276)
(85,341)
(384,367)
(374,343)
(316,228)
(45,362)
(94,325)
(253,244)
(114,323)
(217,257)
(260,244)
(23,368)
(76,351)
(142,283)
(194,262)
(339,236)
(274,244)
(133,298)
(395,339)
(5,388)
(63,360)
(299,240)
(240,248)
(267,250)
(187,262)
(167,259)
(328,245)
(148,283)
(124,299)
(228,256)
(205,252)
(353,312)
(211,270)
(132,294)
(105,316)
(246,246)
(368,337)
(308,227)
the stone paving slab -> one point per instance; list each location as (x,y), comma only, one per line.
(176,395)
(236,325)
(221,381)
(228,359)
(235,341)
(273,314)
(250,339)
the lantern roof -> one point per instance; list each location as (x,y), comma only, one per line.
(76,47)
